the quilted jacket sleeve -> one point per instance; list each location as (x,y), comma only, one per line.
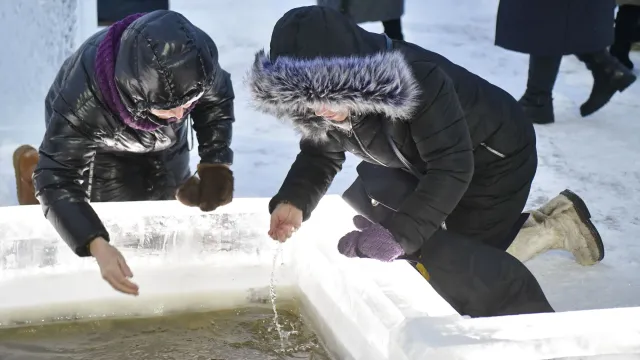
(213,119)
(310,175)
(66,152)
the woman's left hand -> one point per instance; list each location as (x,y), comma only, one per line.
(208,191)
(372,241)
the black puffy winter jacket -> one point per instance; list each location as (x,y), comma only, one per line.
(438,114)
(79,125)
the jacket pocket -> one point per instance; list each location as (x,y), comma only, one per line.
(493,151)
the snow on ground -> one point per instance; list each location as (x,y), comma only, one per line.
(597,156)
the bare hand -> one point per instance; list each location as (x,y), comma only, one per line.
(285,220)
(113,267)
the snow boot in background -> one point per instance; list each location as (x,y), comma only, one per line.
(537,101)
(609,77)
(562,223)
(25,159)
(538,108)
(626,24)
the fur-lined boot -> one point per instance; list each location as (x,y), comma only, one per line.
(562,223)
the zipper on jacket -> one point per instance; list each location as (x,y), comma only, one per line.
(362,146)
(493,151)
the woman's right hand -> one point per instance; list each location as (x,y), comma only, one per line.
(113,267)
(285,220)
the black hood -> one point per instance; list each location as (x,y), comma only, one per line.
(313,31)
(163,62)
(321,57)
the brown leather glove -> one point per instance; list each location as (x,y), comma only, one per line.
(213,188)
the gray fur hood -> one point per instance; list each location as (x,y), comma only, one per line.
(380,83)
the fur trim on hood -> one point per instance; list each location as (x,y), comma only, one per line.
(288,88)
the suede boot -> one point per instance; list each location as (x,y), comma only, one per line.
(563,223)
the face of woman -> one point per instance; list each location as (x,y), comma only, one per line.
(332,114)
(177,112)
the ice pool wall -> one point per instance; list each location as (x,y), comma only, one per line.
(187,260)
(184,260)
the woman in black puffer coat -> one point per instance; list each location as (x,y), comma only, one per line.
(400,107)
(116,129)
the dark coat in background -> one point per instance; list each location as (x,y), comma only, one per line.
(367,10)
(110,11)
(130,164)
(628,2)
(555,27)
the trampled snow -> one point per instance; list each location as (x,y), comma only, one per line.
(597,157)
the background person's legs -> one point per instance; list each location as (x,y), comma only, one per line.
(393,29)
(626,26)
(537,101)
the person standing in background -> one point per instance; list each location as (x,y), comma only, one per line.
(111,11)
(388,11)
(550,29)
(626,31)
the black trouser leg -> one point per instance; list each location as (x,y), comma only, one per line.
(537,101)
(479,280)
(543,71)
(393,29)
(626,23)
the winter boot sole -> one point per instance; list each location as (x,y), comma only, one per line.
(20,185)
(585,216)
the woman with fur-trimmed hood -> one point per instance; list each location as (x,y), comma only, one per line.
(406,110)
(117,129)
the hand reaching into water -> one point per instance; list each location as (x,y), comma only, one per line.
(113,267)
(285,220)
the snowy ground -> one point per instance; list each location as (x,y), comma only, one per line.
(596,156)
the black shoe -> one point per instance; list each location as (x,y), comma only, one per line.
(538,108)
(609,77)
